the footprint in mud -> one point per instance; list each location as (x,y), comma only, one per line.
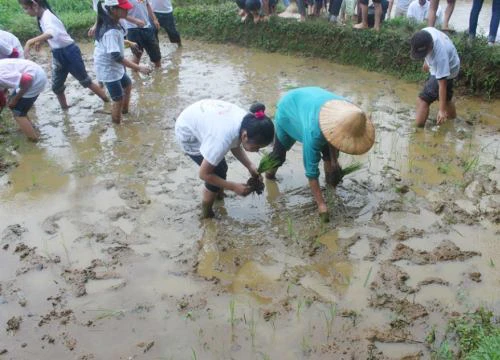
(14,323)
(13,233)
(445,251)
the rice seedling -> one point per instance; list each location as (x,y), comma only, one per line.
(193,354)
(306,346)
(289,223)
(471,164)
(492,264)
(332,311)
(368,276)
(232,318)
(252,327)
(109,313)
(352,167)
(267,163)
(300,304)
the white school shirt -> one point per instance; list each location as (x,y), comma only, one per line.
(9,42)
(420,13)
(443,60)
(106,68)
(50,24)
(209,128)
(139,11)
(403,5)
(162,6)
(11,71)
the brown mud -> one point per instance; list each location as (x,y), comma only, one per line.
(102,255)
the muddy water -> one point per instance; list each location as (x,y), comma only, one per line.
(104,256)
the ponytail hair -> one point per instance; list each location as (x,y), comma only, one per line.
(258,126)
(41,3)
(104,21)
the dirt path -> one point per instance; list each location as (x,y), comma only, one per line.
(103,256)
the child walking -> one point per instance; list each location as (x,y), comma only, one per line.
(165,14)
(28,80)
(109,60)
(66,55)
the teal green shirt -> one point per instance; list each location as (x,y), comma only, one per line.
(297,119)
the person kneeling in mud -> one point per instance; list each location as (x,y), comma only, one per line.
(325,123)
(208,129)
(28,80)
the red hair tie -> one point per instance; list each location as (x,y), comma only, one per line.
(260,114)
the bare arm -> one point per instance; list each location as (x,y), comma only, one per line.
(207,174)
(36,41)
(318,197)
(152,15)
(132,65)
(242,157)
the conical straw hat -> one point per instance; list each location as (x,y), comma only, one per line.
(346,127)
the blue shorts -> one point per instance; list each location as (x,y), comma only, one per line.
(115,88)
(220,170)
(23,106)
(68,60)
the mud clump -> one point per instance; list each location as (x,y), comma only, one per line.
(256,185)
(32,260)
(445,251)
(14,323)
(13,233)
(391,277)
(475,276)
(403,307)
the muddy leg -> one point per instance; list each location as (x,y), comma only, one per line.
(207,204)
(126,99)
(116,111)
(378,16)
(62,101)
(422,112)
(99,91)
(451,110)
(364,18)
(27,127)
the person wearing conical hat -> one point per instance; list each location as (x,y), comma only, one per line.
(325,124)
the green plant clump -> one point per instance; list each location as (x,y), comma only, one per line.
(267,163)
(355,166)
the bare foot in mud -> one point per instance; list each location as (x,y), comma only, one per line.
(207,212)
(221,195)
(124,111)
(244,18)
(360,26)
(324,217)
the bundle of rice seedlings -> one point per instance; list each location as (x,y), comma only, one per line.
(352,167)
(267,163)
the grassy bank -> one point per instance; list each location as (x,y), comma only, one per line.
(387,51)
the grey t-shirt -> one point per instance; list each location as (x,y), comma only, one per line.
(139,11)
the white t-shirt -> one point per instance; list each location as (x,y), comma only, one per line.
(420,13)
(443,59)
(11,71)
(403,5)
(162,6)
(51,24)
(9,42)
(106,68)
(209,128)
(139,11)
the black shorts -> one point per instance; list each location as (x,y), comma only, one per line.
(365,2)
(23,106)
(430,92)
(220,170)
(146,39)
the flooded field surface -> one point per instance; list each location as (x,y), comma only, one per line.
(103,254)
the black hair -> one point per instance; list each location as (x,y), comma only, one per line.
(43,4)
(104,21)
(259,127)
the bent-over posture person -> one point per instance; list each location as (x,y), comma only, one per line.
(28,80)
(208,129)
(325,124)
(443,64)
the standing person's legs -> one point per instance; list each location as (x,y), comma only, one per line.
(428,95)
(76,67)
(59,76)
(167,21)
(20,112)
(334,9)
(119,91)
(363,4)
(447,14)
(134,35)
(150,44)
(474,14)
(302,9)
(378,14)
(433,6)
(495,20)
(127,90)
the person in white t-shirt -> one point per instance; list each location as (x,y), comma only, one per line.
(208,129)
(109,59)
(418,11)
(28,80)
(164,12)
(10,46)
(401,8)
(142,30)
(66,55)
(443,64)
